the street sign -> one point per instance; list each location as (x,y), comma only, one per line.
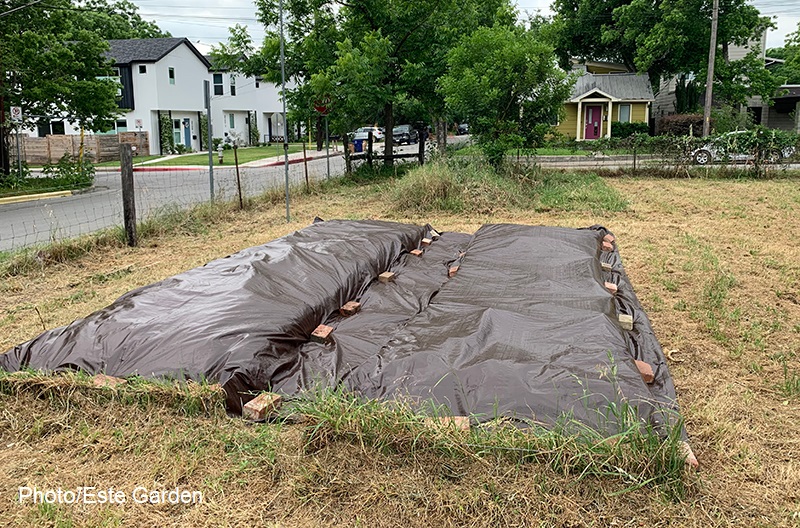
(16,113)
(322,105)
(138,123)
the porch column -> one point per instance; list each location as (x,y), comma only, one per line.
(580,121)
(610,113)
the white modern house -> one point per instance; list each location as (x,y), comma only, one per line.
(161,85)
(244,105)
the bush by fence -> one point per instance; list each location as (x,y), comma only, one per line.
(681,125)
(623,130)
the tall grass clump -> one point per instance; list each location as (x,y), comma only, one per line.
(636,454)
(458,185)
(462,184)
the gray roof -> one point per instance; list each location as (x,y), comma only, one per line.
(147,50)
(625,86)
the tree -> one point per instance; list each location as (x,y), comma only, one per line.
(505,81)
(370,56)
(661,37)
(789,71)
(52,62)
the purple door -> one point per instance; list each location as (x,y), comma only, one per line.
(593,122)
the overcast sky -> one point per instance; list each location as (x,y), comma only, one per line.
(207,21)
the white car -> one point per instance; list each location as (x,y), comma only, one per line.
(363,133)
(723,148)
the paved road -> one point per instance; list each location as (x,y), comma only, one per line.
(35,222)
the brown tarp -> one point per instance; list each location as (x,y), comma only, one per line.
(524,329)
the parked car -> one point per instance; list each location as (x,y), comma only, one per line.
(363,133)
(462,129)
(724,148)
(405,134)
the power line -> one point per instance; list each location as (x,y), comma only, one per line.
(18,8)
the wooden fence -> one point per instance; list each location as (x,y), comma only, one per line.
(99,148)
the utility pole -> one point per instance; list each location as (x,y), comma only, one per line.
(712,55)
(285,124)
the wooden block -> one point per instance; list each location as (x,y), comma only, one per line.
(609,238)
(259,407)
(416,252)
(461,423)
(350,308)
(606,266)
(101,380)
(386,277)
(607,246)
(610,286)
(322,334)
(646,370)
(452,272)
(426,241)
(626,321)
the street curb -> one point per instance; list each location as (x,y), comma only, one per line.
(32,197)
(293,161)
(161,168)
(168,169)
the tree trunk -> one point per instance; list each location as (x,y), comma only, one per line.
(441,136)
(388,137)
(320,133)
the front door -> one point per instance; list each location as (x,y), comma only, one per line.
(593,122)
(187,132)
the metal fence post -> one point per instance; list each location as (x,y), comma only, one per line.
(210,145)
(128,194)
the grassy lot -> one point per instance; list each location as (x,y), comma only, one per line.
(246,154)
(715,263)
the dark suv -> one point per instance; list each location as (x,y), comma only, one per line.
(405,134)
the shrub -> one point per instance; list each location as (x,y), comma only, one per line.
(72,172)
(681,125)
(729,118)
(167,139)
(623,130)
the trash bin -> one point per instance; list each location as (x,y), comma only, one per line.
(359,145)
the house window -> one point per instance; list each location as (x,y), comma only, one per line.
(233,85)
(122,126)
(624,113)
(142,68)
(172,75)
(231,121)
(218,88)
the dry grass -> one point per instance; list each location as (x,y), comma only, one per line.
(715,263)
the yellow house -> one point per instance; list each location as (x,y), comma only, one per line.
(597,100)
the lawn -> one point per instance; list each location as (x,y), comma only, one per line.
(246,154)
(715,263)
(136,159)
(40,185)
